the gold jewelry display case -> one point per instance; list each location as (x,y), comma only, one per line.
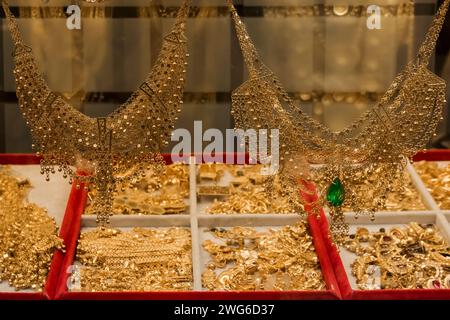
(328,60)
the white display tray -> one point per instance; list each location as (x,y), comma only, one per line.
(389,220)
(447,215)
(53,195)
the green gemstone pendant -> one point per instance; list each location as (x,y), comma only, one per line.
(336,193)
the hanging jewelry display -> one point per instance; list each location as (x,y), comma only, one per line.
(436,177)
(381,141)
(116,149)
(28,235)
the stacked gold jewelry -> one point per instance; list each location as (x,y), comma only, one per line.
(250,199)
(246,193)
(136,260)
(28,236)
(281,259)
(437,181)
(157,193)
(210,171)
(415,256)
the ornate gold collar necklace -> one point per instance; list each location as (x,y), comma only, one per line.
(379,143)
(117,148)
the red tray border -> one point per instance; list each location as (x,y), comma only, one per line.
(433,155)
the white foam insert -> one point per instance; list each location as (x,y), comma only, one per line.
(88,221)
(52,195)
(389,220)
(196,267)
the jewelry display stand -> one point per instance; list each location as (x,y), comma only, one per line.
(67,204)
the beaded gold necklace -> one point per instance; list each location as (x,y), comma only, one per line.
(380,142)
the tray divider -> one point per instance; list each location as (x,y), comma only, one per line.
(195,239)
